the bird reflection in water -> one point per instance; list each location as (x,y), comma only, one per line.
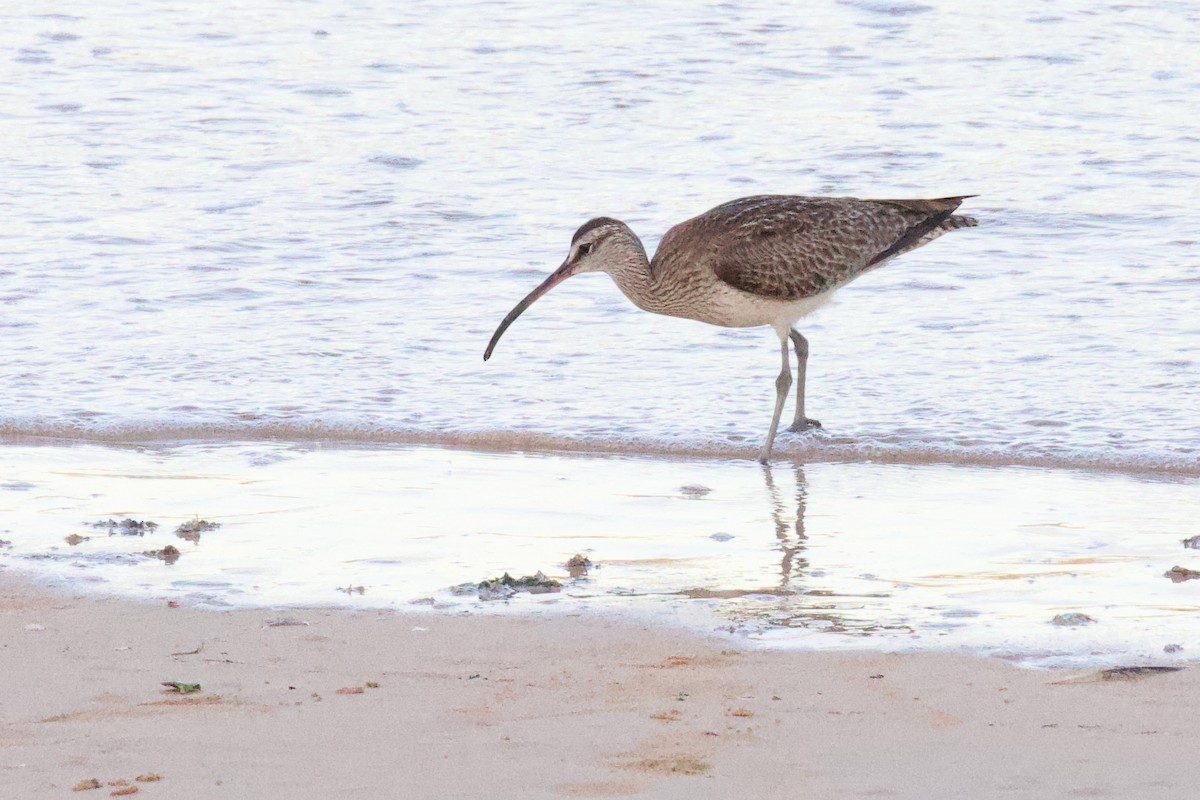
(799,603)
(793,541)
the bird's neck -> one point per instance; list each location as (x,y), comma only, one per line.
(631,272)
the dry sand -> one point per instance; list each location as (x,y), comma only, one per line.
(500,707)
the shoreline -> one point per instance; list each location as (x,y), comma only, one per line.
(789,453)
(557,706)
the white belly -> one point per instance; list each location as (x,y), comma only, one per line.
(733,308)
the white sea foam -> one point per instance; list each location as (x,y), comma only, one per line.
(810,448)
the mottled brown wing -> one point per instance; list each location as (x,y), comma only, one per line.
(789,247)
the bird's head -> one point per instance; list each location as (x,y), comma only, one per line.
(598,246)
(595,244)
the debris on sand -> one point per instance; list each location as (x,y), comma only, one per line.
(149,777)
(284,622)
(578,565)
(350,690)
(123,791)
(126,527)
(1192,542)
(86,784)
(672,764)
(75,539)
(190,531)
(1072,620)
(353,589)
(1179,574)
(1133,673)
(170,554)
(180,687)
(694,490)
(506,586)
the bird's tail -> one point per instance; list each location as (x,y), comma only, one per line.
(939,217)
(938,207)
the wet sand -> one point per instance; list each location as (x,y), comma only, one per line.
(820,556)
(533,707)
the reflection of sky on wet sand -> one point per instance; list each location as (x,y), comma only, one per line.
(827,555)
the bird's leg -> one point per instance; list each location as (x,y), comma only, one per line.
(801,422)
(782,384)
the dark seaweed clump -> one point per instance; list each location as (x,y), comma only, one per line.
(190,531)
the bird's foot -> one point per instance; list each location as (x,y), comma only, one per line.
(805,424)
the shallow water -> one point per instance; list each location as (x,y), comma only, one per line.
(827,555)
(240,222)
(244,224)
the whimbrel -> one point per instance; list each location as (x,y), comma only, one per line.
(763,260)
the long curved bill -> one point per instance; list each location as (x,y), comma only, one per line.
(558,276)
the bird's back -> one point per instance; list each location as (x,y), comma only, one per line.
(790,247)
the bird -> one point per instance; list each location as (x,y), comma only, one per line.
(755,261)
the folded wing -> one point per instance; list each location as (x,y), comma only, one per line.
(790,247)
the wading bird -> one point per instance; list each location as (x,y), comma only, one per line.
(764,260)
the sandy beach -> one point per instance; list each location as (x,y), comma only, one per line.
(381,704)
(262,476)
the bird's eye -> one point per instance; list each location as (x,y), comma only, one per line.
(585,248)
